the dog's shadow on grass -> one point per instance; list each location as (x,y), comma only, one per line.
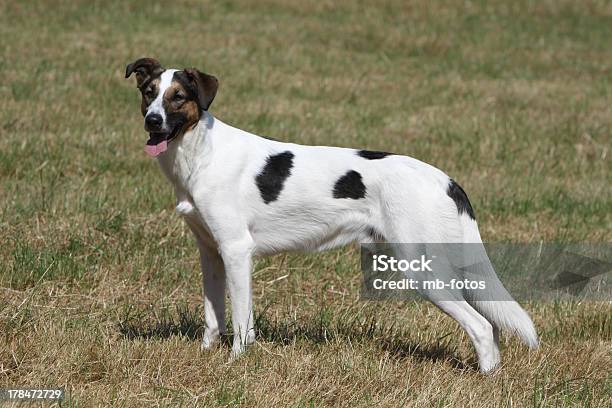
(318,329)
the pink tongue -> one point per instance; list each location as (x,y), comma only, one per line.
(154,150)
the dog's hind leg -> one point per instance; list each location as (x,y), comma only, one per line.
(478,329)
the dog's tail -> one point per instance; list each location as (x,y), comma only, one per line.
(495,303)
(511,316)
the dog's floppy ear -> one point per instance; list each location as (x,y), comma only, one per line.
(206,86)
(145,68)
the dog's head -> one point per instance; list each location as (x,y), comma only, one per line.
(172,100)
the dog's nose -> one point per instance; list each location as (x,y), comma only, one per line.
(153,121)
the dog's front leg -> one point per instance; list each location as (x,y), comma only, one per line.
(213,281)
(237,258)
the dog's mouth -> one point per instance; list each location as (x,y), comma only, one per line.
(158,141)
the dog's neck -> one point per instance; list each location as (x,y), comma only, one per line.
(179,162)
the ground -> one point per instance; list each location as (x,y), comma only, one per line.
(99,280)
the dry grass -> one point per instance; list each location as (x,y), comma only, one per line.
(99,283)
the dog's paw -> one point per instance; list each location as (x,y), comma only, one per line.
(209,340)
(250,339)
(489,368)
(237,351)
(206,345)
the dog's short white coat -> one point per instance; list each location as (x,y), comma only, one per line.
(213,168)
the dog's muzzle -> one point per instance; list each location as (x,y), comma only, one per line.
(158,140)
(157,144)
(153,122)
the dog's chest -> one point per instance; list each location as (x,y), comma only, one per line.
(179,170)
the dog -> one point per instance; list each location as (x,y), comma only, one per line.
(244,195)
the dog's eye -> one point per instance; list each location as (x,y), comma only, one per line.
(178,97)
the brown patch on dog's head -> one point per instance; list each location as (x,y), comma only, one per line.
(205,85)
(148,71)
(145,69)
(189,93)
(149,93)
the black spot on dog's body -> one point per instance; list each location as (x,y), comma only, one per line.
(461,200)
(350,186)
(272,178)
(373,155)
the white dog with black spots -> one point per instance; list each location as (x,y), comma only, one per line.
(244,195)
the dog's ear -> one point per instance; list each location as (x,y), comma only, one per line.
(145,68)
(205,85)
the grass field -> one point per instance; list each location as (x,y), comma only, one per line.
(99,279)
